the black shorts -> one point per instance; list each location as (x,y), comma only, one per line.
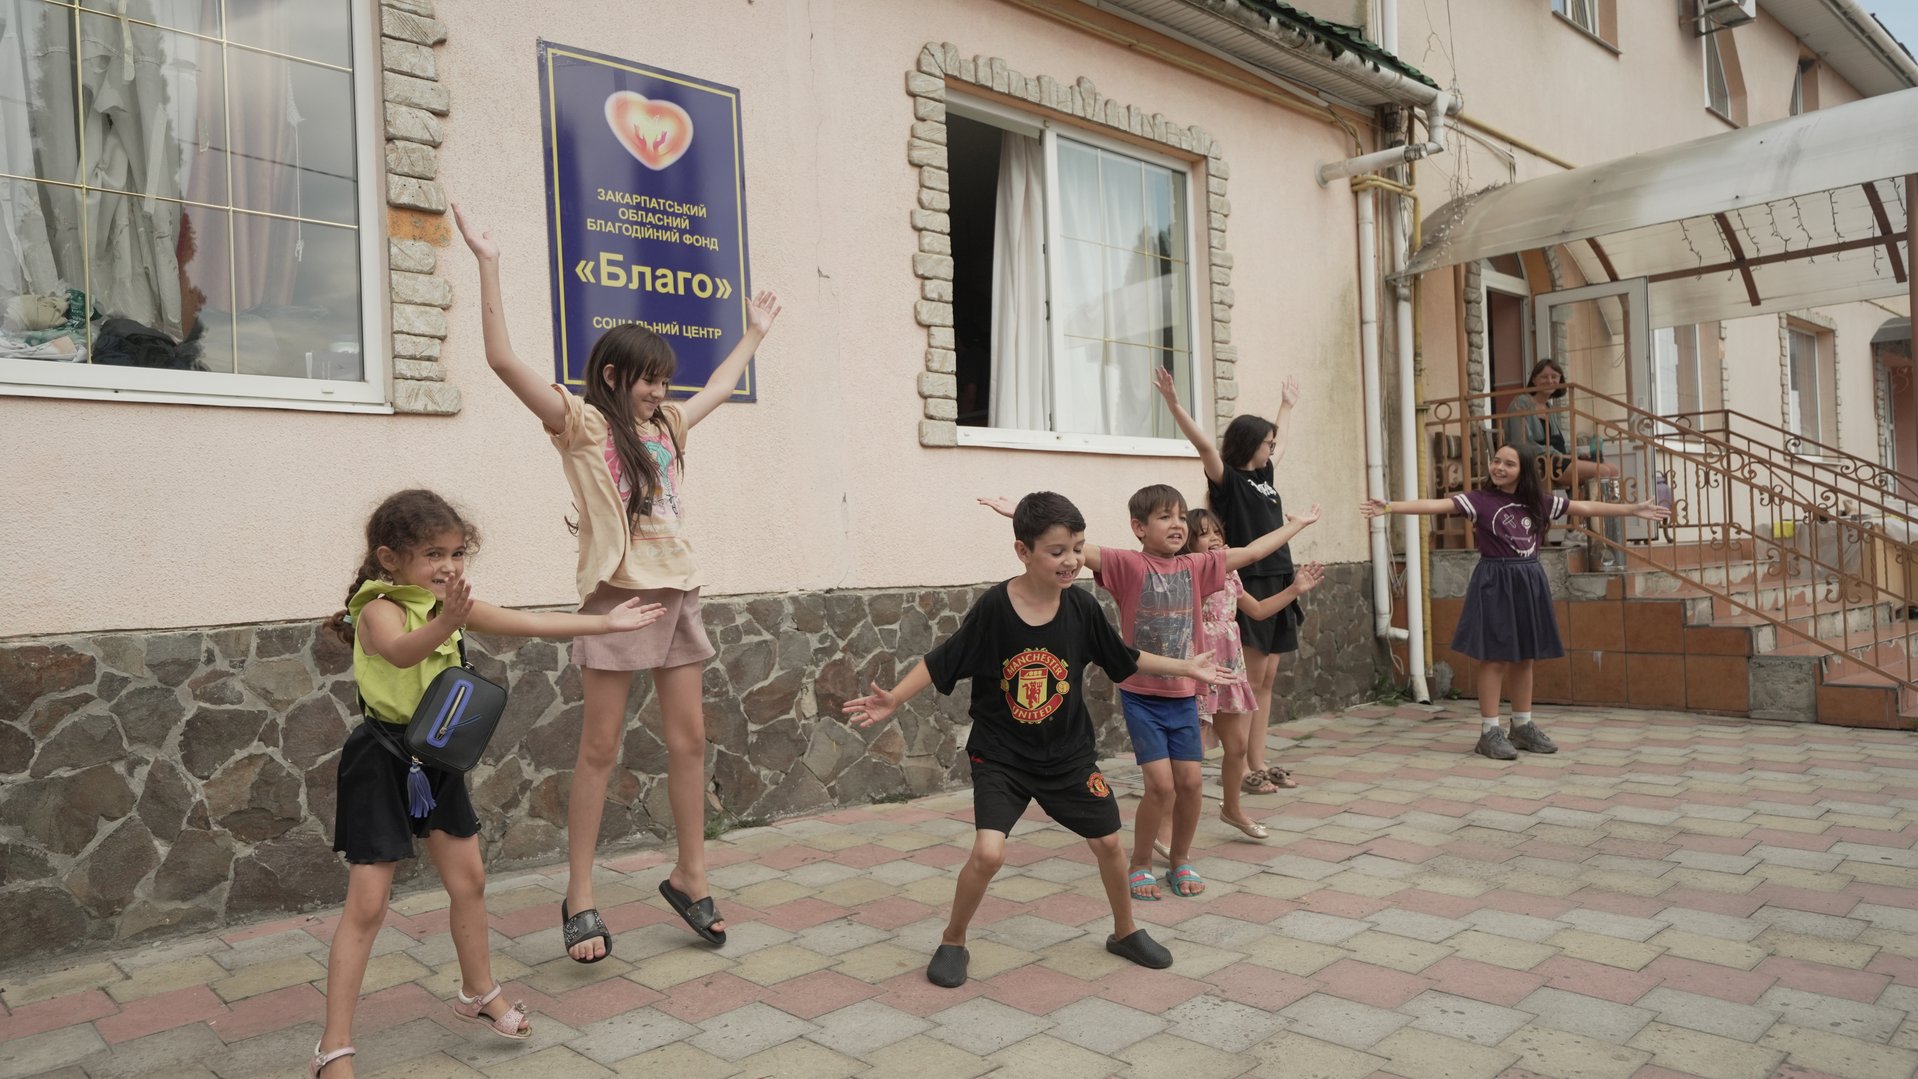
(1279,633)
(370,821)
(1078,799)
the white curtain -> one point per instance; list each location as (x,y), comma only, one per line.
(1021,390)
(26,253)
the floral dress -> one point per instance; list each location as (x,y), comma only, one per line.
(1222,634)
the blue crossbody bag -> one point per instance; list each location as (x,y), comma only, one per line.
(449,730)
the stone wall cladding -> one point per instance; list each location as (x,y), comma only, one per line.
(415,103)
(940,66)
(162,782)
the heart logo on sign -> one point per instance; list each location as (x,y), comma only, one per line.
(657,133)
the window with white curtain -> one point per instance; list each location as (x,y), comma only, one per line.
(1677,372)
(1805,409)
(1073,282)
(1718,91)
(1584,13)
(186,192)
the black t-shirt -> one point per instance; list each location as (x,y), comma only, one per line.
(1249,507)
(1028,698)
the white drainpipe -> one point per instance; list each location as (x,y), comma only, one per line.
(1437,106)
(1374,418)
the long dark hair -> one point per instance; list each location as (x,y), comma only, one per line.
(1542,365)
(635,353)
(1530,490)
(1242,438)
(401,523)
(1195,522)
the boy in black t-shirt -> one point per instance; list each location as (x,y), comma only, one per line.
(1025,646)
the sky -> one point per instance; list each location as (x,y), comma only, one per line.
(1900,17)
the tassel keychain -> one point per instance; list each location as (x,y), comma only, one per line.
(419,793)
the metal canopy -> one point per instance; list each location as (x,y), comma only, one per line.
(1791,214)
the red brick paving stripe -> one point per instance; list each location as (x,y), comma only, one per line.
(1474,851)
(401,1004)
(1444,807)
(634,863)
(528,919)
(1250,907)
(1860,985)
(1071,908)
(267,929)
(1870,836)
(1836,904)
(1711,979)
(1596,979)
(1538,906)
(1373,808)
(1150,991)
(810,996)
(1482,981)
(601,1000)
(793,857)
(1261,987)
(1777,837)
(892,912)
(867,855)
(1717,844)
(1563,852)
(1524,807)
(994,909)
(1400,850)
(1884,895)
(1323,850)
(629,916)
(1632,848)
(1634,906)
(939,857)
(56,1013)
(1038,990)
(1381,987)
(700,999)
(1343,904)
(1903,970)
(804,913)
(269,1012)
(911,992)
(162,1011)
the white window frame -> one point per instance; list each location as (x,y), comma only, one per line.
(1047,131)
(1715,58)
(1817,405)
(106,382)
(1570,11)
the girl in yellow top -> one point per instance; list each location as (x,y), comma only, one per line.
(405,614)
(622,448)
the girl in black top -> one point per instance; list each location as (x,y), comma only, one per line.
(1238,476)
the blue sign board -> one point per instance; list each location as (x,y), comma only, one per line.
(646,192)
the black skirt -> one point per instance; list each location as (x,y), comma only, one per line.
(1508,614)
(371,823)
(1279,633)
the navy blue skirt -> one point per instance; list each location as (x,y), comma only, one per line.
(1508,613)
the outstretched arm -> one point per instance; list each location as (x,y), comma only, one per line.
(1431,507)
(880,705)
(1308,578)
(1088,555)
(506,622)
(1241,557)
(1288,397)
(1208,453)
(760,314)
(1649,510)
(1199,667)
(531,387)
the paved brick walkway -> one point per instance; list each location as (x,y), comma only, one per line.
(1669,896)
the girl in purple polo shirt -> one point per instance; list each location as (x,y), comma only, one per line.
(1507,622)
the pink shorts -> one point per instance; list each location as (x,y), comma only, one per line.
(678,638)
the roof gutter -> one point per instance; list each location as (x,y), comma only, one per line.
(1860,22)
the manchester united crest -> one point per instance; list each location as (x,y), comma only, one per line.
(1035,685)
(1096,783)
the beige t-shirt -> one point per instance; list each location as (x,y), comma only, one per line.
(655,554)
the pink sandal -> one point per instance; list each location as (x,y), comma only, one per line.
(321,1060)
(511,1025)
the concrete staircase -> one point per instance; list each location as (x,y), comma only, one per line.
(1653,636)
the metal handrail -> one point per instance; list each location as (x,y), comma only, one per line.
(1877,473)
(1724,492)
(1876,485)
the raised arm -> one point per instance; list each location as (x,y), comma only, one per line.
(533,389)
(1431,507)
(1088,555)
(506,622)
(1649,510)
(382,631)
(1241,557)
(1208,453)
(1288,397)
(760,314)
(880,705)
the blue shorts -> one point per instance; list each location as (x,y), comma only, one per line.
(1162,727)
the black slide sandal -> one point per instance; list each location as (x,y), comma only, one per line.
(948,967)
(1141,949)
(699,916)
(582,927)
